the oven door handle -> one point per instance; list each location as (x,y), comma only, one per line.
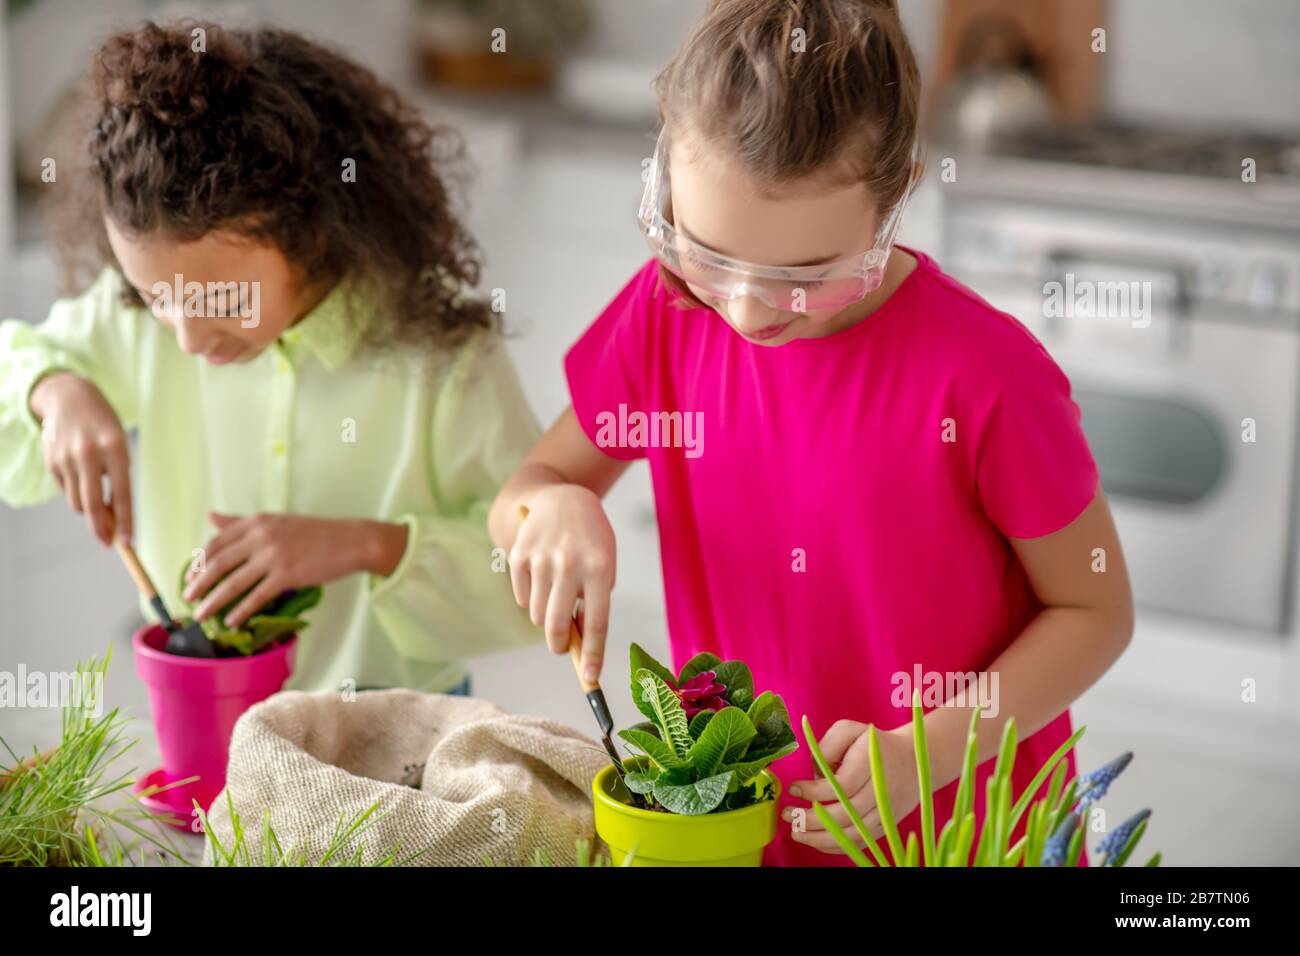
(1061,260)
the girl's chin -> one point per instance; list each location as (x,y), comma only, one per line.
(772,336)
(234,357)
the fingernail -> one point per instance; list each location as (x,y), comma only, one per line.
(796,791)
(591,673)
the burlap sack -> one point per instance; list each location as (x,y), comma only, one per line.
(456,777)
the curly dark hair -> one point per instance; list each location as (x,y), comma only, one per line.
(251,135)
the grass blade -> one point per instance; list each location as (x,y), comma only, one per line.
(1054,763)
(843,797)
(842,838)
(923,780)
(881,786)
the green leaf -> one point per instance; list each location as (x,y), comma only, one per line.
(294,603)
(774,734)
(699,721)
(881,786)
(693,799)
(749,769)
(854,817)
(698,665)
(742,797)
(941,851)
(961,845)
(725,738)
(640,781)
(1056,762)
(850,848)
(923,780)
(761,708)
(649,726)
(665,710)
(966,787)
(639,658)
(654,748)
(278,617)
(643,661)
(739,682)
(910,854)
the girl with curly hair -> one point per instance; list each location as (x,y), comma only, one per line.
(280,305)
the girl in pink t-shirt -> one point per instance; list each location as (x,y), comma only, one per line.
(867,479)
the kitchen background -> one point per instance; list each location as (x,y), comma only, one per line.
(1145,184)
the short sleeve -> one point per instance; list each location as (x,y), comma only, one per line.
(1034,470)
(608,367)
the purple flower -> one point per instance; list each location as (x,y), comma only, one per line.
(1114,842)
(701,692)
(1094,785)
(1058,844)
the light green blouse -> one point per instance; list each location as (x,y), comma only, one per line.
(314,427)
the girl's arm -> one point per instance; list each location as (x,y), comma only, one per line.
(1085,624)
(69,445)
(566,550)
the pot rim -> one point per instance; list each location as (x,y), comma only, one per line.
(701,819)
(154,655)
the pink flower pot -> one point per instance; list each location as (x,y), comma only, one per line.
(196,701)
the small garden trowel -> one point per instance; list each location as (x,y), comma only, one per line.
(595,696)
(187,641)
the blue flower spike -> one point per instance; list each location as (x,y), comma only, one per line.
(1114,847)
(1094,785)
(1058,845)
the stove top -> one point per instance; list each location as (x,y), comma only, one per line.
(1200,153)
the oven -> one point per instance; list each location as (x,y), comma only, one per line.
(1189,396)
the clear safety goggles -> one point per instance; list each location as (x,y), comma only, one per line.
(796,289)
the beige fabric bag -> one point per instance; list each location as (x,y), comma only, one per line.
(456,777)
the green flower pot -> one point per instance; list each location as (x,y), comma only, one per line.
(730,838)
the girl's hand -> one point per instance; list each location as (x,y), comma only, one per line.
(270,553)
(84,442)
(846,747)
(565,551)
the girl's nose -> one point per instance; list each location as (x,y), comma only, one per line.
(193,333)
(749,315)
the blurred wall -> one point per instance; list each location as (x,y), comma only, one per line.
(52,42)
(1180,61)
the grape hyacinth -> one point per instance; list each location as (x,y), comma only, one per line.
(1112,845)
(1094,786)
(1058,845)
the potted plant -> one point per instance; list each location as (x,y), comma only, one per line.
(1054,824)
(699,793)
(196,700)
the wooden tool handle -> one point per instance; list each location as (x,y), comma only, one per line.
(575,639)
(138,573)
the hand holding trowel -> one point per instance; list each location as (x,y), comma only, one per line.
(595,696)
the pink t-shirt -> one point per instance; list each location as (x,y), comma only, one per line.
(837,514)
